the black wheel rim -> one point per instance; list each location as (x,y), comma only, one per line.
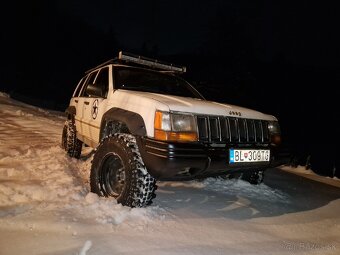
(112,175)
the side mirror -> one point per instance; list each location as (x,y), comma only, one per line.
(93,91)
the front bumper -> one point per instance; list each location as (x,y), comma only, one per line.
(186,161)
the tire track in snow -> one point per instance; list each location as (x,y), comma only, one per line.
(33,167)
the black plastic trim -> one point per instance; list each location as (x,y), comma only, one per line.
(132,120)
(186,161)
(71,110)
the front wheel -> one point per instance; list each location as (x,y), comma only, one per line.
(118,171)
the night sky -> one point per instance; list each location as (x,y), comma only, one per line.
(273,56)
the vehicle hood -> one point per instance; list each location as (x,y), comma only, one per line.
(204,107)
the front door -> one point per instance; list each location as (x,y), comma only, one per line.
(94,105)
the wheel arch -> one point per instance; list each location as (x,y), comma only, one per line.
(120,120)
(70,112)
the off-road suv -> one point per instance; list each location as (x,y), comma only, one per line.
(146,123)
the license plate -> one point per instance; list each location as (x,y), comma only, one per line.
(245,156)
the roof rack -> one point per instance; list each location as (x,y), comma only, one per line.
(140,60)
(154,63)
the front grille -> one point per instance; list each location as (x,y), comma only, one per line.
(232,130)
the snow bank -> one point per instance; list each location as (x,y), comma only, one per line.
(3,94)
(37,175)
(40,175)
(310,174)
(108,211)
(50,180)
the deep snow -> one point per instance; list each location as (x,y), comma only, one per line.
(46,206)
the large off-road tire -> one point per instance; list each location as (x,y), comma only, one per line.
(253,177)
(118,171)
(69,142)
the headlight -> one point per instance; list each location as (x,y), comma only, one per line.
(175,127)
(182,122)
(275,133)
(274,127)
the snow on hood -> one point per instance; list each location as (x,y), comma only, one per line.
(198,106)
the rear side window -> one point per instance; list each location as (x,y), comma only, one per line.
(102,81)
(80,85)
(90,80)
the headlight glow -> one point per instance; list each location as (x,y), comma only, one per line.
(275,133)
(274,127)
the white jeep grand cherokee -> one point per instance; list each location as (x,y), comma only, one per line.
(147,124)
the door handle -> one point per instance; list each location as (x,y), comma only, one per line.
(86,102)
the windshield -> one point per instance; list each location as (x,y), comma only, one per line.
(139,79)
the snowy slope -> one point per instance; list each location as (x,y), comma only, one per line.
(46,206)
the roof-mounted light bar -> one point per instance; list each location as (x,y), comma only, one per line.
(150,62)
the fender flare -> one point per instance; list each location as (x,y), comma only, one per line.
(133,121)
(70,111)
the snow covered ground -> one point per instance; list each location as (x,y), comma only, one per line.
(46,206)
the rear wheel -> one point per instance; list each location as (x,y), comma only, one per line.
(69,142)
(118,171)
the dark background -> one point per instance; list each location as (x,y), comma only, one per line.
(279,58)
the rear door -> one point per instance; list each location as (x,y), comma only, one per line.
(76,101)
(82,103)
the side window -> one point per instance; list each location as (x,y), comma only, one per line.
(102,82)
(79,87)
(89,81)
(97,87)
